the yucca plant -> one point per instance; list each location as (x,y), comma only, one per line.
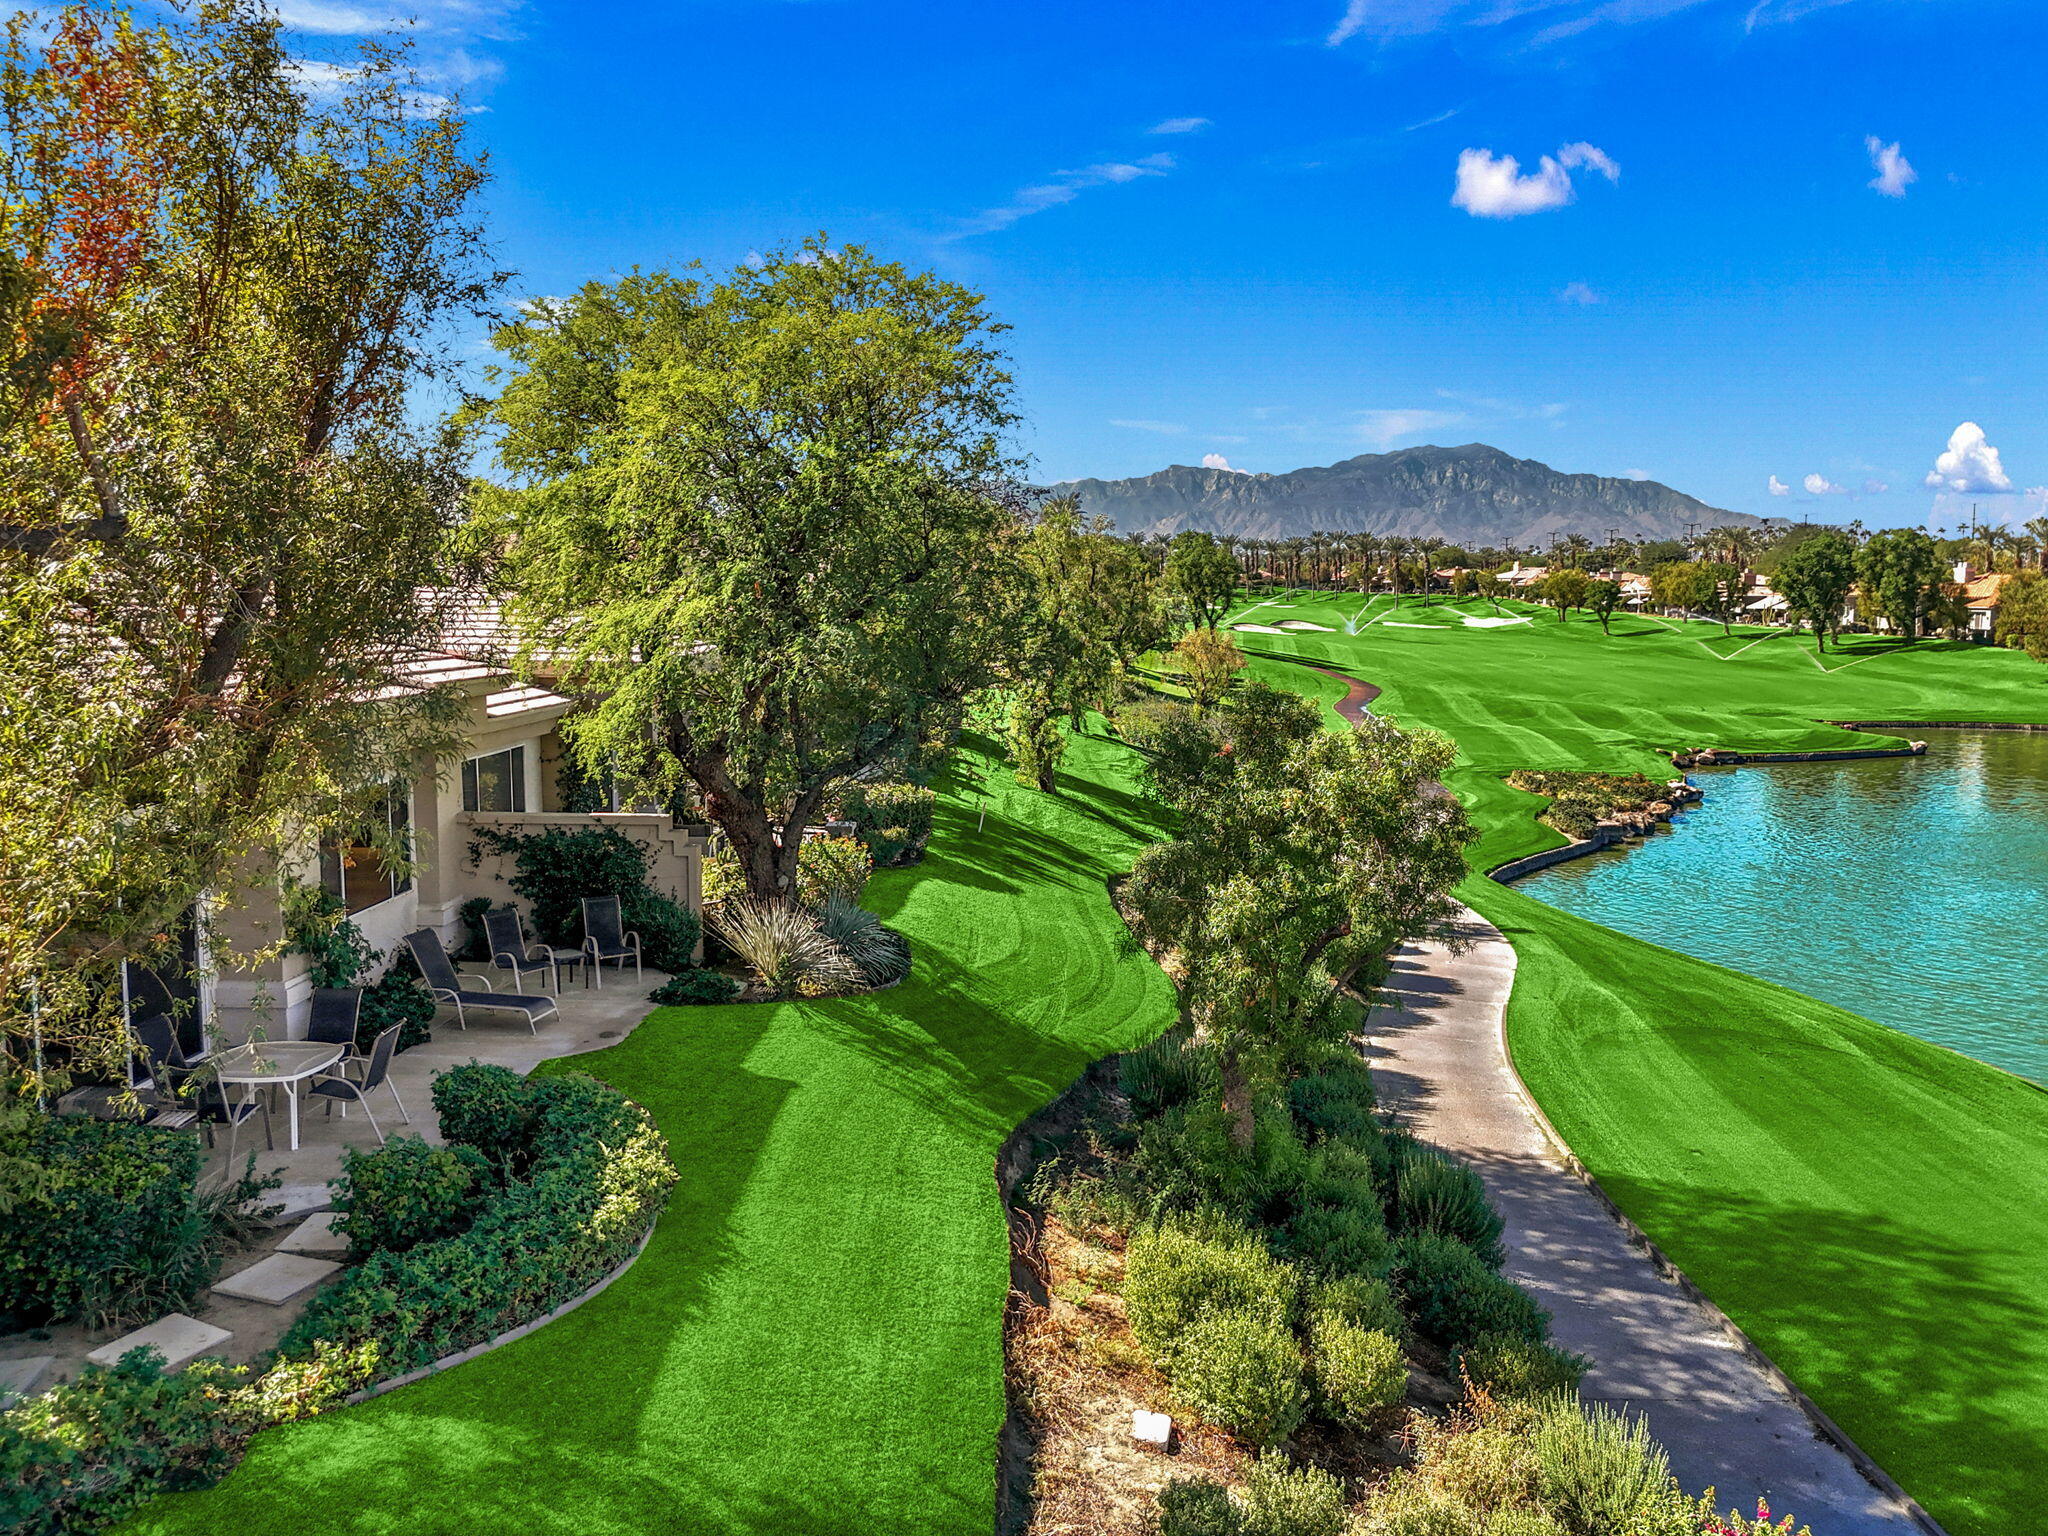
(786,947)
(881,954)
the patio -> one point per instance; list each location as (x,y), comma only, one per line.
(588,1020)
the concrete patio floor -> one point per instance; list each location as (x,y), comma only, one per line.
(588,1019)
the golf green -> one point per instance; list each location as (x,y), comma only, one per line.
(812,1341)
(1872,1209)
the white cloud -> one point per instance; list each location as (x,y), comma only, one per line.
(1875,487)
(331,20)
(1350,24)
(1578,293)
(1779,487)
(1970,465)
(1894,172)
(1535,23)
(1217,461)
(1062,187)
(1490,188)
(1383,427)
(1180,125)
(1821,485)
(1165,428)
(1636,474)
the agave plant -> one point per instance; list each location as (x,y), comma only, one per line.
(881,954)
(786,947)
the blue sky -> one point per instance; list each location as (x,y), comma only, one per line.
(1284,232)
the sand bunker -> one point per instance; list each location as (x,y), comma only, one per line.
(1491,623)
(1304,624)
(1260,629)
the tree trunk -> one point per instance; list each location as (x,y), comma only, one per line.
(1237,1101)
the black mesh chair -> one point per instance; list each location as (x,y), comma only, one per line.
(170,1074)
(447,987)
(604,938)
(338,1087)
(336,1013)
(512,950)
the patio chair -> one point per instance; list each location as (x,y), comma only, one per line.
(512,950)
(337,1086)
(209,1104)
(447,987)
(604,938)
(336,1013)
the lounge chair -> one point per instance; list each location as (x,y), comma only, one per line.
(512,950)
(447,987)
(336,1013)
(604,938)
(337,1086)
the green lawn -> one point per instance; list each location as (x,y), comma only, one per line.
(812,1342)
(1872,1209)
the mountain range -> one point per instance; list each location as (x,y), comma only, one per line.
(1474,496)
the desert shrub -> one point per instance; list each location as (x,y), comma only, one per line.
(556,867)
(1507,1366)
(1173,1274)
(693,986)
(1361,1377)
(1241,1369)
(397,997)
(1344,1240)
(1454,1298)
(1521,1522)
(1334,1103)
(894,820)
(1166,1073)
(1197,1507)
(112,1197)
(832,866)
(405,1193)
(1087,1201)
(486,1107)
(1340,1175)
(1143,721)
(1187,1159)
(1279,1164)
(1280,1500)
(1601,1474)
(1360,1300)
(785,947)
(1407,1507)
(879,953)
(1435,1193)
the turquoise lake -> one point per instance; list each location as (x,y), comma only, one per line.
(1913,891)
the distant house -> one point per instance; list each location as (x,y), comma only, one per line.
(1520,575)
(1980,595)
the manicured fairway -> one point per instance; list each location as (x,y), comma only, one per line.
(812,1342)
(1872,1209)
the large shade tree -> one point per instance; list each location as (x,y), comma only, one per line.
(753,524)
(1201,578)
(1815,578)
(1902,572)
(218,517)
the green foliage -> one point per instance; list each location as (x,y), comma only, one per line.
(1197,1507)
(1339,1175)
(114,1198)
(786,947)
(832,867)
(318,927)
(556,867)
(1201,578)
(405,1193)
(1507,1366)
(397,997)
(1176,1274)
(1601,1474)
(1360,1374)
(1144,720)
(1188,1159)
(1579,800)
(1901,573)
(695,986)
(596,1173)
(488,1108)
(1336,1103)
(1345,1240)
(476,944)
(1565,590)
(1454,1298)
(2022,622)
(879,953)
(1815,578)
(1241,1369)
(893,819)
(1165,1073)
(1433,1192)
(1281,1500)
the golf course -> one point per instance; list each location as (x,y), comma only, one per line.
(1870,1208)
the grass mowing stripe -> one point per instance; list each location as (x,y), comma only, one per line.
(812,1341)
(1871,1208)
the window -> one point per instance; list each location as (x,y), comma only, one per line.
(496,782)
(360,871)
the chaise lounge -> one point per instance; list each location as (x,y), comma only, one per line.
(447,987)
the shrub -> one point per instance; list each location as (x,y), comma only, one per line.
(1188,1160)
(1144,721)
(832,866)
(1435,1193)
(894,820)
(318,926)
(1339,1175)
(1197,1507)
(1360,1300)
(1599,1472)
(1164,1073)
(1241,1369)
(1279,1164)
(785,947)
(1335,1104)
(1406,1507)
(1521,1522)
(1279,1500)
(598,1173)
(1346,1240)
(1174,1274)
(693,986)
(476,945)
(880,954)
(397,997)
(486,1107)
(555,868)
(1506,1366)
(405,1193)
(114,1197)
(1360,1374)
(1454,1298)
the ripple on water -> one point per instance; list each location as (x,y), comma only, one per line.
(1913,891)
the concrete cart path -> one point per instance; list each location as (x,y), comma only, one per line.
(1438,1059)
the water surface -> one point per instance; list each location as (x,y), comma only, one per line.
(1913,891)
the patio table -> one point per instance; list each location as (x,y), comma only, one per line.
(261,1063)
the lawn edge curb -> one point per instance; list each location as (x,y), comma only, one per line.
(462,1356)
(1823,1424)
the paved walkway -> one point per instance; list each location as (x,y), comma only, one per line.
(1437,1058)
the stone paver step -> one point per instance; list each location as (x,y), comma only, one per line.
(315,1235)
(178,1338)
(21,1378)
(275,1280)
